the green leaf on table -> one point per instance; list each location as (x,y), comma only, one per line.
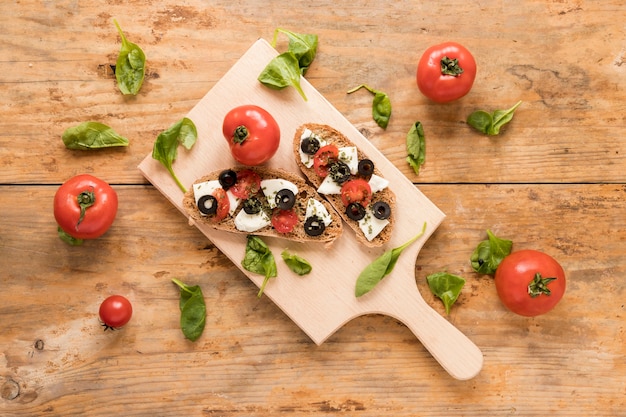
(92,135)
(416,147)
(489,253)
(192,310)
(281,72)
(381,105)
(130,68)
(491,123)
(302,45)
(446,286)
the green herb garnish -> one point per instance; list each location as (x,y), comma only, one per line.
(381,267)
(165,148)
(489,253)
(297,264)
(302,45)
(381,105)
(259,259)
(281,72)
(416,147)
(490,123)
(192,310)
(130,68)
(92,135)
(446,286)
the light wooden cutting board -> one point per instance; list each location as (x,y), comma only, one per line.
(321,302)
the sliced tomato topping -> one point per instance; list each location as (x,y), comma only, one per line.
(223,205)
(284,220)
(248,183)
(323,158)
(356,191)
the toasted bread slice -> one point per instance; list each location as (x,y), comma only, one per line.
(332,136)
(331,230)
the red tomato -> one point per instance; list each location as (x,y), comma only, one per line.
(284,220)
(223,205)
(530,282)
(85,207)
(252,134)
(356,191)
(446,72)
(323,158)
(248,183)
(115,312)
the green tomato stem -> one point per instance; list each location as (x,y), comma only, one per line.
(241,134)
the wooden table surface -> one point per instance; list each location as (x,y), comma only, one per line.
(554,180)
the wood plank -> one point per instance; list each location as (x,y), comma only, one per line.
(568,128)
(253,360)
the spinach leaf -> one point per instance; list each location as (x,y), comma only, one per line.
(165,149)
(489,253)
(416,147)
(92,135)
(281,72)
(303,46)
(192,310)
(381,267)
(130,68)
(260,260)
(491,123)
(381,105)
(297,264)
(446,286)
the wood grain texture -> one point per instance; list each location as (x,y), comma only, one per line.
(554,180)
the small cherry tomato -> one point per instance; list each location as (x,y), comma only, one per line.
(223,205)
(84,208)
(115,312)
(284,220)
(446,72)
(252,134)
(529,282)
(356,191)
(248,183)
(323,159)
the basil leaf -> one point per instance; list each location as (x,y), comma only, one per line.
(381,105)
(165,149)
(303,47)
(491,123)
(446,286)
(192,310)
(92,135)
(130,68)
(489,253)
(259,260)
(416,147)
(297,264)
(282,71)
(381,267)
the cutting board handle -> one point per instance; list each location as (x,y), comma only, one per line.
(454,351)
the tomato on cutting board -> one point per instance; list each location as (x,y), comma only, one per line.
(84,208)
(446,72)
(252,134)
(529,282)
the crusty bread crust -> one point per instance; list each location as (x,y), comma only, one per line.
(332,135)
(305,191)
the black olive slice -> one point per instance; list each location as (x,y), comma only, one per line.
(252,205)
(310,145)
(355,211)
(314,226)
(381,210)
(339,172)
(285,199)
(227,178)
(207,204)
(366,168)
